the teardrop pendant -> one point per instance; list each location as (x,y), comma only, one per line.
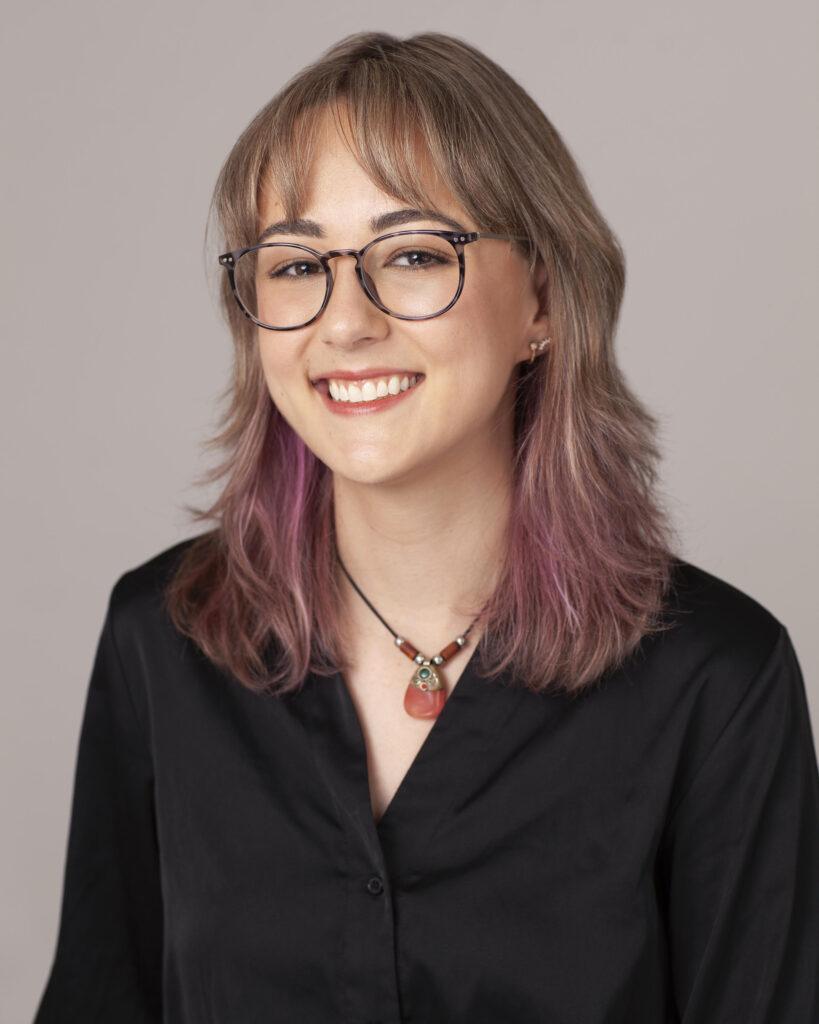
(425,695)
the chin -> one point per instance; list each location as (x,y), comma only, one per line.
(367,468)
(366,475)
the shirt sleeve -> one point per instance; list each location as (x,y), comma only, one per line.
(108,962)
(741,863)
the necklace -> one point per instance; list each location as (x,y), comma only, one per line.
(425,695)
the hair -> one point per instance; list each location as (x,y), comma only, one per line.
(589,557)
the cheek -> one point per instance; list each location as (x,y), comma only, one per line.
(277,369)
(479,381)
(487,354)
(494,326)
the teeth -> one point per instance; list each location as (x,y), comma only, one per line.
(371,389)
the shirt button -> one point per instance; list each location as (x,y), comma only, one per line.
(375,886)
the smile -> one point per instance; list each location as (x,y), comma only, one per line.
(369,390)
(349,394)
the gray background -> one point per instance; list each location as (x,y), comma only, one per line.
(695,125)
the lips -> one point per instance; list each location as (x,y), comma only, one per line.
(347,387)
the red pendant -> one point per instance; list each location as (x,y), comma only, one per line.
(426,695)
(424,704)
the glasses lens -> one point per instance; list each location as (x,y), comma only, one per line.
(281,285)
(413,274)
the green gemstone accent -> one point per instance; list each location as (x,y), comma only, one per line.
(424,673)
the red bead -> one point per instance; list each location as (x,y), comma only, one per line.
(419,704)
(450,650)
(407,648)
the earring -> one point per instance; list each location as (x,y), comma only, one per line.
(537,347)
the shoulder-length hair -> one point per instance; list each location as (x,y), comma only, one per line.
(588,543)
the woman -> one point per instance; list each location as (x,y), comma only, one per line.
(593,795)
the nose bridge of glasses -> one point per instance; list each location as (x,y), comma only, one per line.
(364,279)
(355,253)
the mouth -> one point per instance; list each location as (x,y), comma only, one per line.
(366,390)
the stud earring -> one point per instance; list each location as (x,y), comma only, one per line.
(537,347)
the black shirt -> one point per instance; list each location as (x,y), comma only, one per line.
(647,853)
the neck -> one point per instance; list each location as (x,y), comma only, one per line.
(425,552)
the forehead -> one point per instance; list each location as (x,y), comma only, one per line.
(325,175)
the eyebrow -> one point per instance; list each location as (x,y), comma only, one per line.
(383,222)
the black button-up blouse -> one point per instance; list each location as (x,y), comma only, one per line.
(645,854)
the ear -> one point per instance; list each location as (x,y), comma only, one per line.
(538,325)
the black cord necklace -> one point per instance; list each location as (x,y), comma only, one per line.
(425,695)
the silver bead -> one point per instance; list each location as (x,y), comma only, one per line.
(419,659)
(460,641)
(437,660)
(399,640)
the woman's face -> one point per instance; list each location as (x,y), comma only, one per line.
(459,411)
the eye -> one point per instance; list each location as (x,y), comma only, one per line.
(418,259)
(296,269)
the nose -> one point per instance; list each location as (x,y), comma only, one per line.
(350,316)
(369,284)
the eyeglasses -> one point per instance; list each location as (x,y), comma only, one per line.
(411,275)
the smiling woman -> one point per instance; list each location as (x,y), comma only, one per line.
(593,796)
(456,408)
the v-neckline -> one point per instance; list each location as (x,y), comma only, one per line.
(467,676)
(443,766)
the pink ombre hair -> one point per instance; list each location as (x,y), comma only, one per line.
(589,544)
